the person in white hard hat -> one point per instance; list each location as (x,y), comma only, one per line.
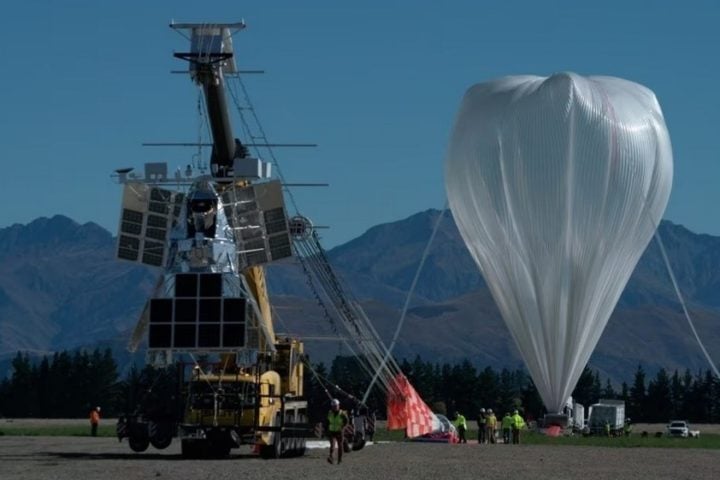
(481,426)
(335,425)
(490,425)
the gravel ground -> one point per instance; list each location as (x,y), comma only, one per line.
(75,458)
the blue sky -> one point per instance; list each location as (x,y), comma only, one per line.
(375,83)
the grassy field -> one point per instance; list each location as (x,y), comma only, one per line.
(56,430)
(708,440)
(80,428)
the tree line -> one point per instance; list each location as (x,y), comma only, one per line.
(64,385)
(464,388)
(69,384)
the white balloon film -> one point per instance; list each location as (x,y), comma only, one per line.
(556,185)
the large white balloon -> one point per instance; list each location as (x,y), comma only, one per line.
(557,185)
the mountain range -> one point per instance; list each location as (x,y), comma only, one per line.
(61,288)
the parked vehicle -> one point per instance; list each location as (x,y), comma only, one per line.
(681,428)
(606,412)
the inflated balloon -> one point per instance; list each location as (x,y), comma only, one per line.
(557,185)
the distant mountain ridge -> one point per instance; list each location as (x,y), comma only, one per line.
(60,287)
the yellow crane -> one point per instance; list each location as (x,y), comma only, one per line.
(210,231)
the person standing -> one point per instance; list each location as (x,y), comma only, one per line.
(481,426)
(517,425)
(94,421)
(490,426)
(506,423)
(627,428)
(461,425)
(335,424)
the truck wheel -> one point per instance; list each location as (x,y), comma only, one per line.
(275,450)
(138,445)
(358,443)
(301,448)
(162,442)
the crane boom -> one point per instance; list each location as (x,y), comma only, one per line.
(223,151)
(211,55)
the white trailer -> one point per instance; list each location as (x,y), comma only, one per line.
(606,412)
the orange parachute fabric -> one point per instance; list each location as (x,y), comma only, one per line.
(406,410)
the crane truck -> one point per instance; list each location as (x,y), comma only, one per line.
(210,233)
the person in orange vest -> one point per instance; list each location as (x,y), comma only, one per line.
(94,421)
(335,424)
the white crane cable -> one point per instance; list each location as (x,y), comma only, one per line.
(408,298)
(372,357)
(682,302)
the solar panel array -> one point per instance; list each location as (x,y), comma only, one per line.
(257,215)
(148,214)
(198,317)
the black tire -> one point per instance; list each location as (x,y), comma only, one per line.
(358,443)
(275,450)
(301,448)
(138,444)
(161,442)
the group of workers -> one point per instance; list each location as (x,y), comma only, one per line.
(626,431)
(510,425)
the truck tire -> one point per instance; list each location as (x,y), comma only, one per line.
(302,448)
(138,444)
(275,450)
(358,443)
(161,434)
(161,442)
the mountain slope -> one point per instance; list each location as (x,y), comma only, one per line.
(60,287)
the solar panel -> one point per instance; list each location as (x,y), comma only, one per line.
(131,228)
(160,336)
(198,317)
(209,311)
(186,285)
(161,310)
(233,335)
(211,285)
(144,220)
(209,336)
(185,336)
(186,310)
(257,215)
